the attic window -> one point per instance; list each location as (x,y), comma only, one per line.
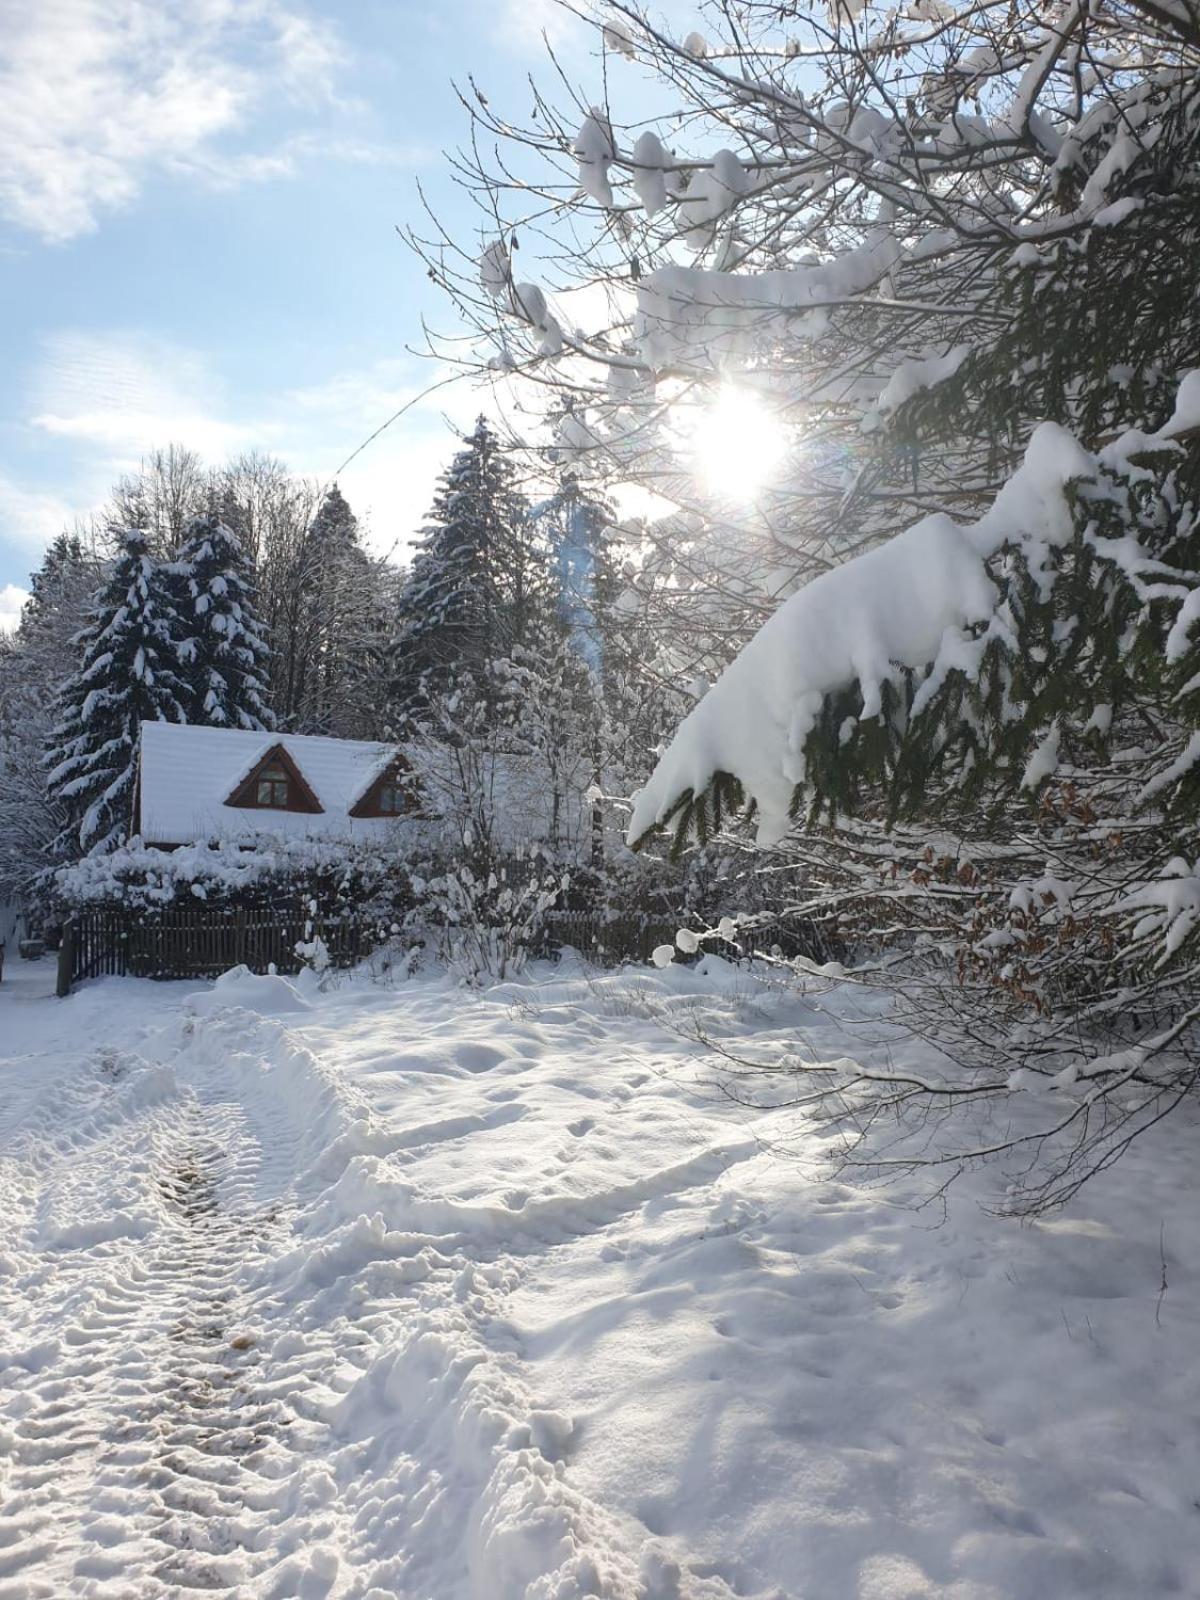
(276,784)
(391,799)
(271,788)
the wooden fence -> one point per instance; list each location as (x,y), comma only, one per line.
(202,943)
(606,938)
(199,942)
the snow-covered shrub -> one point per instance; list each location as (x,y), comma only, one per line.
(362,876)
(486,919)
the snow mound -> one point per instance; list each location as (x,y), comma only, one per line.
(266,993)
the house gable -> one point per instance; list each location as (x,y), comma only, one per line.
(275,783)
(391,793)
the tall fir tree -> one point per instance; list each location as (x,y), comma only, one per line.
(470,591)
(30,669)
(129,672)
(223,642)
(342,621)
(54,589)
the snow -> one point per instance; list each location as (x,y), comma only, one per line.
(693,314)
(619,40)
(649,160)
(1188,757)
(912,376)
(188,772)
(265,993)
(713,191)
(1186,414)
(140,875)
(895,603)
(1043,762)
(1112,216)
(1171,903)
(595,150)
(499,1297)
(495,269)
(912,603)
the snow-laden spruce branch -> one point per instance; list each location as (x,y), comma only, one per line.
(919,608)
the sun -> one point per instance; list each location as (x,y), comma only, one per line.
(737,444)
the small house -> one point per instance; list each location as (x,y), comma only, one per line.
(197,783)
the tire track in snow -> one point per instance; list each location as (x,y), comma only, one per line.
(146,1455)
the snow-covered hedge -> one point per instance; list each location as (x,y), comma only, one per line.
(140,876)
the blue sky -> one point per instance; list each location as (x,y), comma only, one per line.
(198,202)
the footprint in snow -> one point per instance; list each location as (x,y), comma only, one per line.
(478,1057)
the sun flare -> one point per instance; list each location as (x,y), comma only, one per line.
(737,444)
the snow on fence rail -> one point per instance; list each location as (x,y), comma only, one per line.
(633,937)
(201,942)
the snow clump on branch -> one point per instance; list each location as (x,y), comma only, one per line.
(916,600)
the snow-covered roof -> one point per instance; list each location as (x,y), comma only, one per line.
(188,773)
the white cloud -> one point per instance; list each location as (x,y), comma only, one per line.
(97,94)
(114,397)
(361,400)
(225,170)
(128,394)
(111,398)
(520,23)
(29,520)
(12,599)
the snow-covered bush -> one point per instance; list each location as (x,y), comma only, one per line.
(486,921)
(339,874)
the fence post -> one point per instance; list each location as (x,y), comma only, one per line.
(66,960)
(239,938)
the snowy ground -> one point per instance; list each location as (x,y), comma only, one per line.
(414,1293)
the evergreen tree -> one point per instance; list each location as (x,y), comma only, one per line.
(223,642)
(31,667)
(983,743)
(129,672)
(56,587)
(342,622)
(474,582)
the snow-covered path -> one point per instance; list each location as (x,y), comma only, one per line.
(147,1450)
(418,1295)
